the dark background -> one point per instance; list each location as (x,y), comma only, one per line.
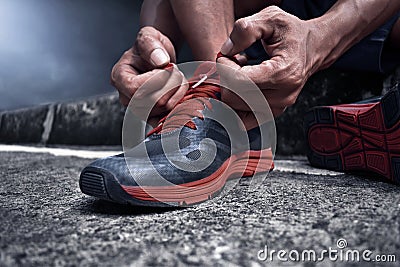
(61,50)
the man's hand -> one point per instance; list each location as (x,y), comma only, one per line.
(300,48)
(293,47)
(151,52)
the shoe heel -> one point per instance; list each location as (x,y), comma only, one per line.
(325,116)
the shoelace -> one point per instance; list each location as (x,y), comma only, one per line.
(203,86)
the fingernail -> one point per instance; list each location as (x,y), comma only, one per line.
(227,47)
(158,57)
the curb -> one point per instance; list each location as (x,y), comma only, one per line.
(23,126)
(95,121)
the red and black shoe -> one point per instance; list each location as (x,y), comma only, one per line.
(360,137)
(187,159)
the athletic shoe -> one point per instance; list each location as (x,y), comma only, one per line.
(193,171)
(364,136)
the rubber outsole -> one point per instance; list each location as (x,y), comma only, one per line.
(102,184)
(356,137)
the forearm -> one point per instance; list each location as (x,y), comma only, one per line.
(349,21)
(159,14)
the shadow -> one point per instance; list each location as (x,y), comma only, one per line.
(366,176)
(375,179)
(346,179)
(97,206)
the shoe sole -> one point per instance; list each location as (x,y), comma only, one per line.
(104,185)
(358,137)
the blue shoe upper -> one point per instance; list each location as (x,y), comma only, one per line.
(181,156)
(146,163)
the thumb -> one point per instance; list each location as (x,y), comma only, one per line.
(153,47)
(245,32)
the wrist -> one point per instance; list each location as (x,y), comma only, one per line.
(346,23)
(321,42)
(333,37)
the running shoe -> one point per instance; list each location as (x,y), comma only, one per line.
(360,137)
(158,173)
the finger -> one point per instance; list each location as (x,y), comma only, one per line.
(151,46)
(245,32)
(165,97)
(265,74)
(155,93)
(178,95)
(158,82)
(227,62)
(149,82)
(241,59)
(227,69)
(164,94)
(123,65)
(233,79)
(129,83)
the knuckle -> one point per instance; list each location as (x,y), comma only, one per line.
(146,30)
(277,16)
(143,42)
(242,24)
(273,9)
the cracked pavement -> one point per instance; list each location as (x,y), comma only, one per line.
(46,220)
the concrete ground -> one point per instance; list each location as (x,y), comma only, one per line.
(46,220)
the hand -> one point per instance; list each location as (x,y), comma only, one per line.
(151,52)
(294,50)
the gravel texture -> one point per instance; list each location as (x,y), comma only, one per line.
(45,220)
